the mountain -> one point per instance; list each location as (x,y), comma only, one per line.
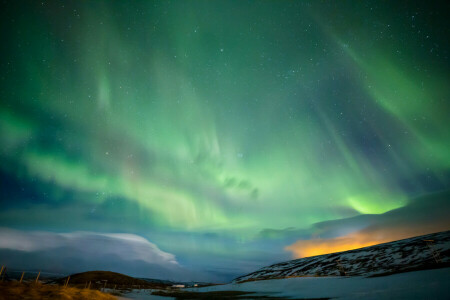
(417,253)
(111,279)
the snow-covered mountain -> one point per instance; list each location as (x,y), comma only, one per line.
(422,252)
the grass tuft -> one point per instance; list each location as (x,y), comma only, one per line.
(15,290)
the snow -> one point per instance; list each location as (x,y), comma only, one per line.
(384,258)
(429,284)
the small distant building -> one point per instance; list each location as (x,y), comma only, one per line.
(180,286)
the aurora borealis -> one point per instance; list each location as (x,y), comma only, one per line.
(221,131)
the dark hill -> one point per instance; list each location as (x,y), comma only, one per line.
(99,278)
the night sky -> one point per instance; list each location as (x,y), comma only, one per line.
(201,140)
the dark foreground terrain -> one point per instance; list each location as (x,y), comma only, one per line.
(15,290)
(111,280)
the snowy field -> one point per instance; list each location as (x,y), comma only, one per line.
(143,295)
(430,284)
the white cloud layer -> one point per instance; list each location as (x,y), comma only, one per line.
(82,251)
(125,246)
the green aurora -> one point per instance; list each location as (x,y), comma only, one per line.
(219,117)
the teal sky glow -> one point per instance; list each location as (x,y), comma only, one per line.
(209,122)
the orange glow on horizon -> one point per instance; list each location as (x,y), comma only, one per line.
(355,240)
(324,246)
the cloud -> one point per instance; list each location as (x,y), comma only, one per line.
(423,215)
(82,251)
(126,246)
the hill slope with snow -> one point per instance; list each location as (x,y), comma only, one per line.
(422,252)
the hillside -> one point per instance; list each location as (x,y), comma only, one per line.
(99,278)
(388,258)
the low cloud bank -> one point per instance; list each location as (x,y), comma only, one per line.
(83,251)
